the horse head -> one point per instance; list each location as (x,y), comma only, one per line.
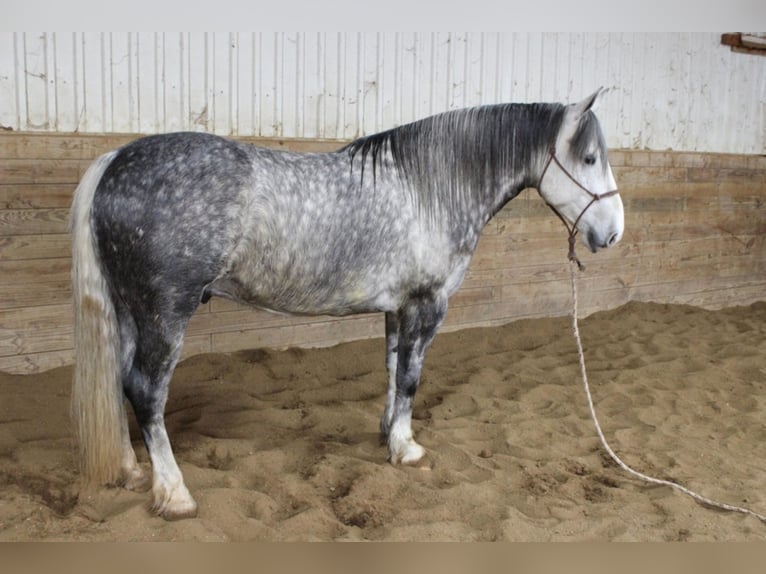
(577,180)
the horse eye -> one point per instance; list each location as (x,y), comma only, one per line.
(590,160)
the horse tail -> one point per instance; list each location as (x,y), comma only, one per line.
(97,406)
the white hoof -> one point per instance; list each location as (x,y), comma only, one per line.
(406,452)
(174,504)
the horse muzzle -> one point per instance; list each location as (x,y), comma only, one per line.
(596,241)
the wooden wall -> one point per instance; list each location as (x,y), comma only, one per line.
(695,229)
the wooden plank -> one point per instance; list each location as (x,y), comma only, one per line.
(34,221)
(15,247)
(727,175)
(89,146)
(318,334)
(36,362)
(49,146)
(30,272)
(635,176)
(22,295)
(42,171)
(35,329)
(36,196)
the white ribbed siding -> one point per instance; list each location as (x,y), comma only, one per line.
(670,91)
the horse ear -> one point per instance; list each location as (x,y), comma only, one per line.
(589,103)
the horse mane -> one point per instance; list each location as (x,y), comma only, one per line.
(455,161)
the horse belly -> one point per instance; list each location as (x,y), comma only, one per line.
(295,286)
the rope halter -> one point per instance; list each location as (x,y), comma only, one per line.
(572,230)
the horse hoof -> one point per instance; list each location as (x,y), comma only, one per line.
(174,505)
(172,514)
(137,481)
(411,453)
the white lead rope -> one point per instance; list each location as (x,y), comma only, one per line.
(699,498)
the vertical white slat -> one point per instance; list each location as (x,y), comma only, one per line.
(219,54)
(672,77)
(518,68)
(485,65)
(425,75)
(9,92)
(272,104)
(451,57)
(368,55)
(106,84)
(349,57)
(330,125)
(472,87)
(624,93)
(93,82)
(35,73)
(233,79)
(757,107)
(173,66)
(501,70)
(243,70)
(548,68)
(563,71)
(743,120)
(633,87)
(594,65)
(716,89)
(50,67)
(407,86)
(279,85)
(121,96)
(535,66)
(574,64)
(312,85)
(198,112)
(290,85)
(146,83)
(388,68)
(442,76)
(650,93)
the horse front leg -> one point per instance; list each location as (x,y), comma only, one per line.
(419,319)
(392,344)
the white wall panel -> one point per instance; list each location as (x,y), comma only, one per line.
(671,91)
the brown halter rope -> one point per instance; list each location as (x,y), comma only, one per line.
(594,198)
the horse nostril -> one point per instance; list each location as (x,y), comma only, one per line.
(613,239)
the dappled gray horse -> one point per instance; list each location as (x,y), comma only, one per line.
(386,224)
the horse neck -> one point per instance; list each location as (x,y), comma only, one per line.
(521,141)
(461,167)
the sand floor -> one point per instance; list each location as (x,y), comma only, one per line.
(283,445)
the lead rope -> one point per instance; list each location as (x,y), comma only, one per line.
(698,497)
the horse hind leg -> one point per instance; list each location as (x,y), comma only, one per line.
(146,387)
(133,475)
(419,320)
